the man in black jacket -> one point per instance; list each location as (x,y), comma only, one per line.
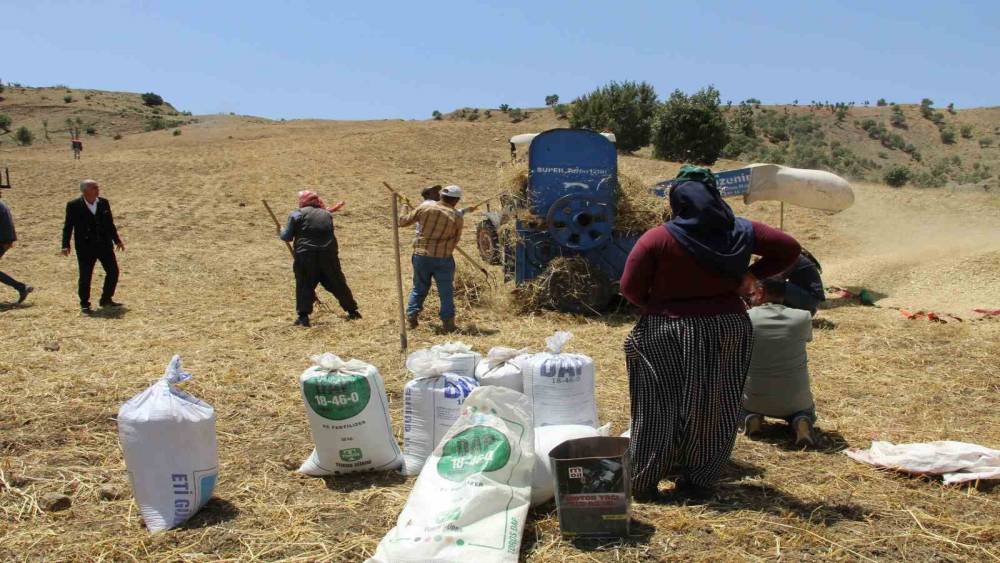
(8,236)
(89,216)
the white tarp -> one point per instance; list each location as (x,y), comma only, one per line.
(815,189)
(957,462)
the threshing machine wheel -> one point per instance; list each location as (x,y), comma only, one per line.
(488,242)
(579,222)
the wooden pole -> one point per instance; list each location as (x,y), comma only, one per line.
(781,221)
(399,270)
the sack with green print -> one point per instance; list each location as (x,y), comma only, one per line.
(472,496)
(349,418)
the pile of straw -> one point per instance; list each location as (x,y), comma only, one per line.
(639,209)
(566,284)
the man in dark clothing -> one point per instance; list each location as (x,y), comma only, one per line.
(8,236)
(803,284)
(310,229)
(96,237)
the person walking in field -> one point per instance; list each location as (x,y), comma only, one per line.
(77,145)
(687,356)
(90,223)
(777,383)
(440,228)
(8,236)
(317,258)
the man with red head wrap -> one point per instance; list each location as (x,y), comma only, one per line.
(317,261)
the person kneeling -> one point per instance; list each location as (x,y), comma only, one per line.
(777,383)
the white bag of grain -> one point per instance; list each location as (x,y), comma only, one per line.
(168,438)
(432,401)
(471,499)
(349,418)
(559,385)
(459,356)
(502,367)
(543,485)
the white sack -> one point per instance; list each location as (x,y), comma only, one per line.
(543,485)
(559,385)
(459,356)
(502,366)
(471,499)
(348,415)
(432,401)
(956,461)
(168,438)
(815,189)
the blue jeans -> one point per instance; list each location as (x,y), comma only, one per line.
(442,271)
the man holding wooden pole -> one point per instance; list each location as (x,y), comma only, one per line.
(439,233)
(317,260)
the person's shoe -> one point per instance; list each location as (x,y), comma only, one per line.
(353,315)
(22,293)
(448,325)
(86,311)
(303,321)
(803,432)
(752,424)
(694,493)
(110,303)
(411,322)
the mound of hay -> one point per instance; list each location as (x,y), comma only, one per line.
(639,209)
(472,288)
(569,283)
(513,179)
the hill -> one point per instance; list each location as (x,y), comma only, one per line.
(863,144)
(96,113)
(205,277)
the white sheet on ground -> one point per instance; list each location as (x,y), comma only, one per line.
(957,462)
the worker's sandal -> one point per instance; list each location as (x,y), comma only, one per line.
(803,431)
(752,424)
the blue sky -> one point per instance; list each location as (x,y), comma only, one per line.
(362,60)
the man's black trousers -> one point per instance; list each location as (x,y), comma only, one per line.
(87,258)
(320,267)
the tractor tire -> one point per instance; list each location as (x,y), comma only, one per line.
(488,242)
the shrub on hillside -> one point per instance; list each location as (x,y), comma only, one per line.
(151,99)
(552,100)
(516,115)
(117,137)
(436,115)
(948,135)
(157,123)
(177,132)
(743,122)
(951,108)
(504,108)
(561,110)
(690,128)
(926,108)
(880,102)
(23,136)
(91,130)
(938,119)
(897,119)
(966,131)
(985,142)
(897,176)
(627,109)
(5,122)
(67,98)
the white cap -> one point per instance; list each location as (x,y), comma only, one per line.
(452,191)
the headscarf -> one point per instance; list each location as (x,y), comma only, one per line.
(309,198)
(705,226)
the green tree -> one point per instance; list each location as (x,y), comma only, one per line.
(504,108)
(897,119)
(552,100)
(436,115)
(691,128)
(627,109)
(23,136)
(897,176)
(5,122)
(951,108)
(151,99)
(926,108)
(881,102)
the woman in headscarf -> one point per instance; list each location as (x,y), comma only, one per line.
(688,355)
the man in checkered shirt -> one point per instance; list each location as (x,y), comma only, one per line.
(438,235)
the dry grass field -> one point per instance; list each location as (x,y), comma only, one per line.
(205,277)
